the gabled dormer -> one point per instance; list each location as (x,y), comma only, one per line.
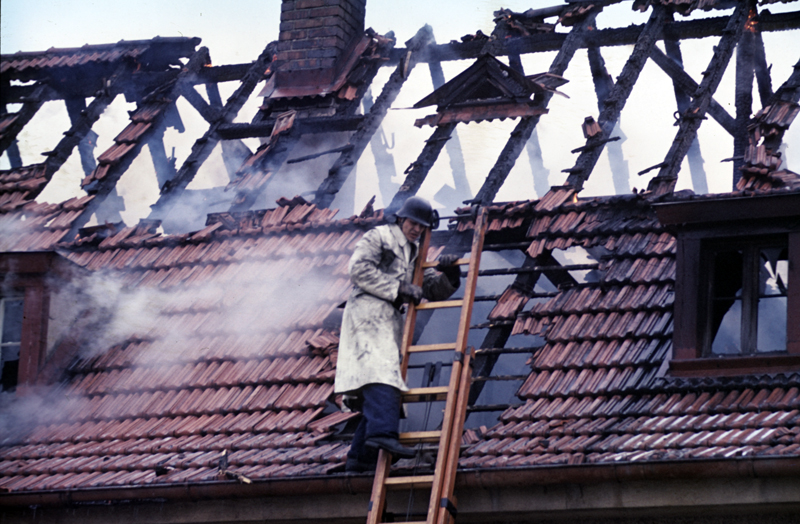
(486,90)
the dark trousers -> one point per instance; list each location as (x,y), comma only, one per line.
(380,410)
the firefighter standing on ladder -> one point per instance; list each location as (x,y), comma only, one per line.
(368,366)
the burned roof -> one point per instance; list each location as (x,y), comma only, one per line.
(211,372)
(155,54)
(223,375)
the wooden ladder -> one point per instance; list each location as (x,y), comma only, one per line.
(442,507)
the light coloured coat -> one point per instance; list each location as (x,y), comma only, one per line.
(372,327)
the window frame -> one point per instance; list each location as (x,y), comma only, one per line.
(699,224)
(13,295)
(750,295)
(25,274)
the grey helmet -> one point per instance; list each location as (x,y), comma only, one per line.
(420,211)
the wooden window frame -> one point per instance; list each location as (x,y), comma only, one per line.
(25,273)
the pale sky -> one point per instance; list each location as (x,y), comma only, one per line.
(237,31)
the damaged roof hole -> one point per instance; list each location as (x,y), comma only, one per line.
(498,390)
(583,259)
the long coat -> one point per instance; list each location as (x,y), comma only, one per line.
(372,327)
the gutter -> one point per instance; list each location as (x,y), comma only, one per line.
(466,480)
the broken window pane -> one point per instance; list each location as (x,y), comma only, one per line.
(772,300)
(726,302)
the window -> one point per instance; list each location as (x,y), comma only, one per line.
(737,284)
(11,338)
(746,302)
(29,282)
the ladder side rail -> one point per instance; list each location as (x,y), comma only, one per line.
(456,372)
(377,501)
(471,279)
(444,438)
(411,314)
(454,451)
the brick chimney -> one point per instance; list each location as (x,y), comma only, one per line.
(316,39)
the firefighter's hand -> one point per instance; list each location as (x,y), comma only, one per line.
(409,293)
(447,260)
(447,266)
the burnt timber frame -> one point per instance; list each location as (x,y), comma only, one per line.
(343,166)
(615,101)
(523,131)
(691,119)
(204,145)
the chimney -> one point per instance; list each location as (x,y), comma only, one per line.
(316,38)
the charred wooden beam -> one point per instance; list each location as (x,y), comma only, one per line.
(743,98)
(209,113)
(24,115)
(223,73)
(682,99)
(106,186)
(214,98)
(384,161)
(163,165)
(685,82)
(138,82)
(418,170)
(14,157)
(603,84)
(204,145)
(306,125)
(691,29)
(451,197)
(691,119)
(615,101)
(82,126)
(762,71)
(344,165)
(522,132)
(76,107)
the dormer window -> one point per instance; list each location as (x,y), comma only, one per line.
(737,285)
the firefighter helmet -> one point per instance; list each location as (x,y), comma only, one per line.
(420,211)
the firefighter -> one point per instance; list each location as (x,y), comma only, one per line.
(368,366)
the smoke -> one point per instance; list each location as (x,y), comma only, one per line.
(238,312)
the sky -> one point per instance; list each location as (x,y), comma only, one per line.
(236,32)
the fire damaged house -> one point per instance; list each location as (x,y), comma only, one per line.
(633,357)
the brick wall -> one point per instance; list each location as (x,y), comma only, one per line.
(314,34)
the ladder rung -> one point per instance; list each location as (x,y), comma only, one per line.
(419,481)
(459,262)
(440,304)
(420,436)
(432,347)
(424,394)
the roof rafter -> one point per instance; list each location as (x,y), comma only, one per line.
(522,132)
(344,165)
(691,119)
(616,99)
